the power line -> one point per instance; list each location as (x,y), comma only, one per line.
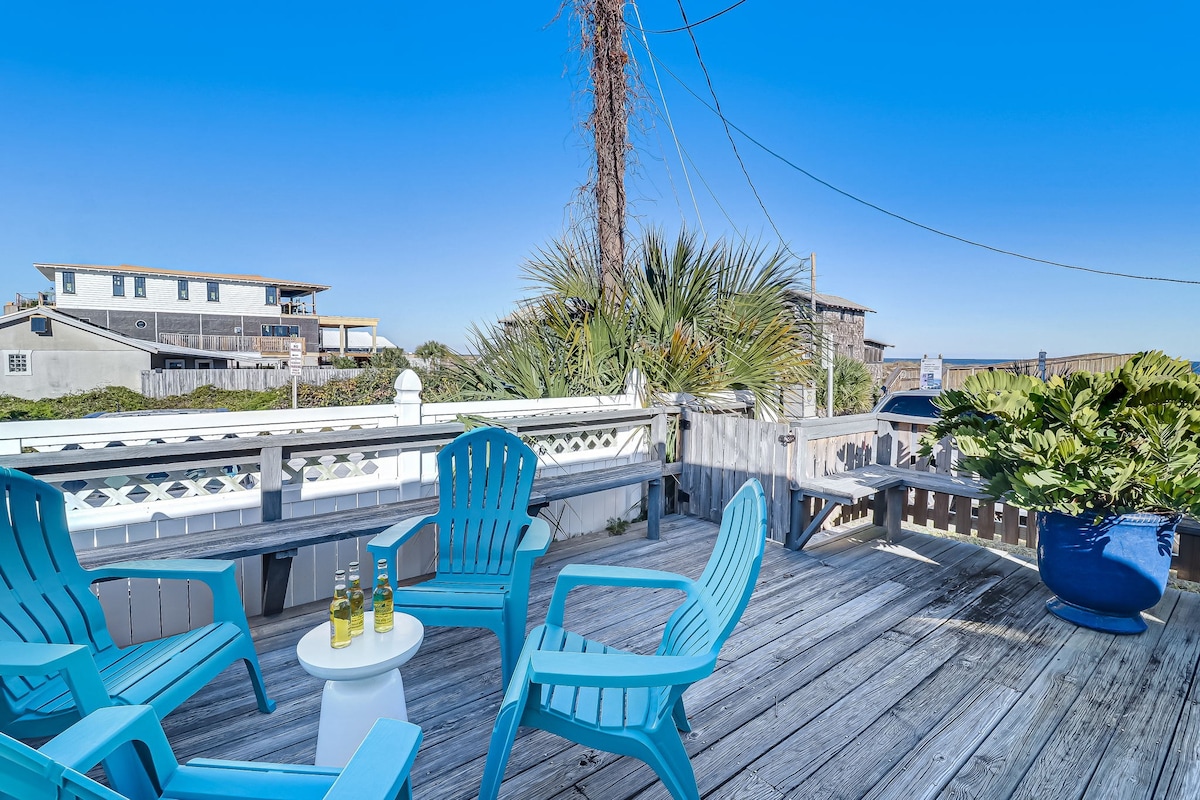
(687,27)
(728,125)
(728,134)
(671,127)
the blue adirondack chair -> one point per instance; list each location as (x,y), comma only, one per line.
(487,542)
(622,702)
(57,660)
(378,770)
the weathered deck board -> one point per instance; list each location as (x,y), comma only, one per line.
(924,668)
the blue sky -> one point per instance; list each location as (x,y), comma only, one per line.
(413,155)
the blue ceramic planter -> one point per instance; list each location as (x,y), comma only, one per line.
(1105,572)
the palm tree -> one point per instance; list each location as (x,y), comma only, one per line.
(432,351)
(692,317)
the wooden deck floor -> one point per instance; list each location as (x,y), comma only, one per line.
(927,668)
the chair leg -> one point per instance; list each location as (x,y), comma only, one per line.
(512,639)
(670,761)
(680,717)
(265,704)
(504,733)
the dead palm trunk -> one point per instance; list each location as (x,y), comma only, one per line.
(610,88)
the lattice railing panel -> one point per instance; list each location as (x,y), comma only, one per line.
(335,467)
(152,487)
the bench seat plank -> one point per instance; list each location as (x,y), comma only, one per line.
(846,488)
(282,538)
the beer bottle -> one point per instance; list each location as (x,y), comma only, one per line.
(339,612)
(383,599)
(357,601)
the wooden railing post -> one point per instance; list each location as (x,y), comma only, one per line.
(277,567)
(655,495)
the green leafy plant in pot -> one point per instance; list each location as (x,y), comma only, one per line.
(1108,460)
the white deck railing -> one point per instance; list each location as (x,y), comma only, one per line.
(129,479)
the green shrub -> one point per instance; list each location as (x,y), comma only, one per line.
(853,386)
(1126,440)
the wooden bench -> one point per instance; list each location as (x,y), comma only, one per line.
(278,541)
(878,479)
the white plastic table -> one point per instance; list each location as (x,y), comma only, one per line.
(362,682)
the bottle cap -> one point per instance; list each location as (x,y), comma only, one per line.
(341,573)
(382,563)
(353,566)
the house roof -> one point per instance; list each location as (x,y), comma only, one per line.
(831,301)
(877,343)
(49,270)
(139,344)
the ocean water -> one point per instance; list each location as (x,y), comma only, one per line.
(916,359)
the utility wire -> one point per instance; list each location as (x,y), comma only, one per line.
(670,126)
(728,125)
(728,133)
(687,27)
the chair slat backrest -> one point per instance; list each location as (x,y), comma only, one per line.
(728,579)
(26,774)
(44,593)
(485,478)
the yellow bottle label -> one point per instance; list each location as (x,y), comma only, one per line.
(384,617)
(339,622)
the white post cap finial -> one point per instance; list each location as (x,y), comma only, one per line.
(408,388)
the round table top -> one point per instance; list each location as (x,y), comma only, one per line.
(368,655)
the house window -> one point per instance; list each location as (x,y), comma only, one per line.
(174,363)
(140,324)
(214,292)
(118,285)
(68,283)
(16,362)
(183,290)
(139,286)
(272,296)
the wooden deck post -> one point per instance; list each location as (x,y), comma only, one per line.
(277,567)
(895,511)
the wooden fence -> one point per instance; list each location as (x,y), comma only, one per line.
(169,382)
(906,375)
(721,451)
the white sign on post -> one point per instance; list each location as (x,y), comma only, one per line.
(295,357)
(931,373)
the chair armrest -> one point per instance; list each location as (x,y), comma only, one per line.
(176,569)
(618,670)
(536,540)
(73,662)
(381,764)
(97,736)
(573,576)
(218,574)
(387,542)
